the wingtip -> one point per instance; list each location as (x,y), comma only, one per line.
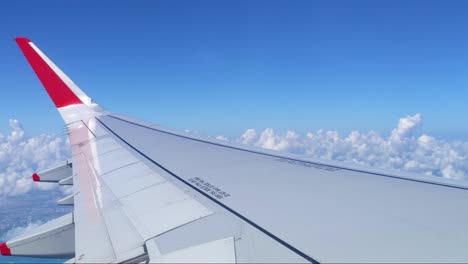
(22,40)
(56,83)
(36,177)
(4,249)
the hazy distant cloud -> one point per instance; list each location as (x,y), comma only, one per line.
(22,155)
(405,149)
(221,138)
(19,230)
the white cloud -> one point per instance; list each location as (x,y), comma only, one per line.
(248,136)
(21,155)
(405,149)
(221,138)
(19,230)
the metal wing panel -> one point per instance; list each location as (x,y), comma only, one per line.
(103,231)
(112,160)
(92,242)
(162,207)
(131,179)
(218,251)
(330,213)
(120,202)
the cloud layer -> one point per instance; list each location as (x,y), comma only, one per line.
(406,148)
(21,155)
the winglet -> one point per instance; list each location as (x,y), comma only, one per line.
(5,250)
(53,79)
(36,177)
(22,39)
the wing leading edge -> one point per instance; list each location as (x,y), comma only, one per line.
(147,193)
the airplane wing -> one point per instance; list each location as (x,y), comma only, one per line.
(144,193)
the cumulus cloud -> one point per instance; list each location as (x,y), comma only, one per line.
(249,136)
(21,155)
(19,230)
(406,148)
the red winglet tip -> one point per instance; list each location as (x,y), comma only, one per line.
(58,90)
(36,177)
(22,39)
(4,249)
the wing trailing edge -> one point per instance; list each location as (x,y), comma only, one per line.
(54,239)
(55,174)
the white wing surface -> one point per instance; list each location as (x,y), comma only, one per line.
(143,193)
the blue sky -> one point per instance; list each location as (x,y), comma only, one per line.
(220,67)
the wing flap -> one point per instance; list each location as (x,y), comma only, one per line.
(170,208)
(218,251)
(55,174)
(54,239)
